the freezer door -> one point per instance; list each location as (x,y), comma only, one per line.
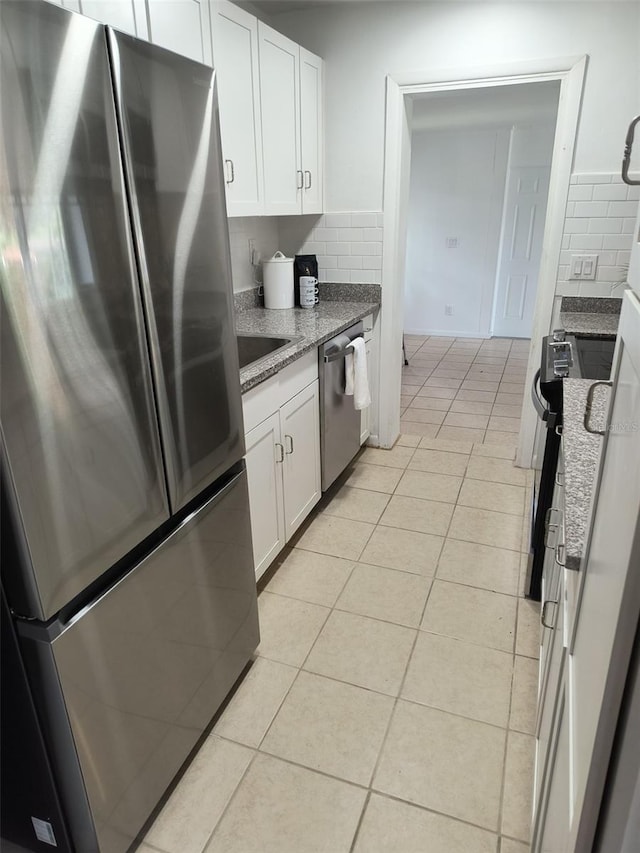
(80,445)
(145,668)
(168,114)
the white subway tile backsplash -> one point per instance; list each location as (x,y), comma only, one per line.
(623,258)
(600,225)
(608,259)
(337,248)
(610,192)
(581,192)
(350,234)
(372,234)
(576,226)
(366,248)
(616,241)
(629,226)
(350,262)
(364,220)
(312,248)
(592,208)
(595,178)
(372,262)
(585,242)
(327,262)
(325,235)
(623,208)
(337,220)
(612,274)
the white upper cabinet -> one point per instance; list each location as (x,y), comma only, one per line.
(182,26)
(128,16)
(291,110)
(311,132)
(235,58)
(279,97)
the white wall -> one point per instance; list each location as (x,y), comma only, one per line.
(456,192)
(363,42)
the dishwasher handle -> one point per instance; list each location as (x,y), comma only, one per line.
(340,353)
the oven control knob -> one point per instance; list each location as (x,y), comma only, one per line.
(559,335)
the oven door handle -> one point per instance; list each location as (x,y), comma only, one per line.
(540,407)
(336,355)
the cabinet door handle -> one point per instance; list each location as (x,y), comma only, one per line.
(231,175)
(281,449)
(290,439)
(543,615)
(307,186)
(589,406)
(300,183)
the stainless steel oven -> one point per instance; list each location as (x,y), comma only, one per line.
(340,422)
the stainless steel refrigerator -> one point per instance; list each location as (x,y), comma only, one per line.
(126,547)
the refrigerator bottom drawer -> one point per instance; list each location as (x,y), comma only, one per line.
(144,670)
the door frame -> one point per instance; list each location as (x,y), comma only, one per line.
(570,71)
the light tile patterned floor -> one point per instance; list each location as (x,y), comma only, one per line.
(465,389)
(391,707)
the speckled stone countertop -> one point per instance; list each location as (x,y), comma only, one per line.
(594,325)
(313,325)
(581,452)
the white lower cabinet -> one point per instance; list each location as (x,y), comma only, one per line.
(283,457)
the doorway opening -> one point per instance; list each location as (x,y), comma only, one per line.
(401,92)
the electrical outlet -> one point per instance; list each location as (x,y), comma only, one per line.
(448,310)
(583,267)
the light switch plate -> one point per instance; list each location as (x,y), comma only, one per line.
(583,267)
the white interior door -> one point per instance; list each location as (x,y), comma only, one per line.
(520,251)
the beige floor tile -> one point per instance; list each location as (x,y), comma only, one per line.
(486,372)
(280,808)
(423,484)
(508,845)
(420,763)
(330,726)
(511,388)
(288,628)
(454,433)
(474,615)
(471,407)
(490,359)
(388,594)
(496,470)
(502,439)
(404,550)
(338,537)
(442,382)
(482,566)
(518,786)
(255,703)
(502,411)
(460,419)
(524,695)
(504,424)
(376,478)
(486,527)
(528,631)
(405,400)
(415,428)
(408,441)
(437,391)
(497,451)
(499,497)
(423,416)
(505,399)
(439,461)
(449,372)
(362,651)
(448,446)
(474,395)
(390,826)
(410,389)
(312,577)
(196,805)
(479,385)
(462,678)
(436,404)
(423,516)
(357,504)
(397,457)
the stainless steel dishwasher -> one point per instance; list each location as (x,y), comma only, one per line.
(339,421)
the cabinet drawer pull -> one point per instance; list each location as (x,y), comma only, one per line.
(231,175)
(543,615)
(307,186)
(561,554)
(300,183)
(559,479)
(290,450)
(281,449)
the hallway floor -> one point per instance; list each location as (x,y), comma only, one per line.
(466,389)
(391,707)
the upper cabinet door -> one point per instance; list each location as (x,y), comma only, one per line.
(124,15)
(279,97)
(171,143)
(235,59)
(311,130)
(182,26)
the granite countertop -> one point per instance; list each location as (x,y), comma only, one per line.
(313,325)
(595,325)
(581,451)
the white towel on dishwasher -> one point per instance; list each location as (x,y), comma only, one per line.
(357,382)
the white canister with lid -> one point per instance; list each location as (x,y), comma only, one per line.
(277,277)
